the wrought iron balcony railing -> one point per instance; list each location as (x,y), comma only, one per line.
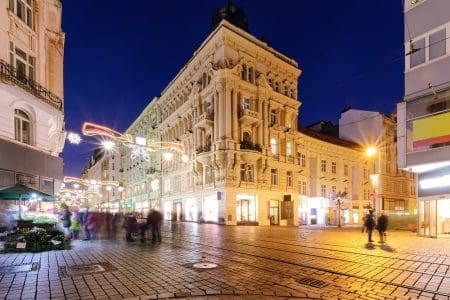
(10,74)
(250,146)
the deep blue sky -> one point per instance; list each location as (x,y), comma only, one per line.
(120,54)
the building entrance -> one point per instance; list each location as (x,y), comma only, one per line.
(274,212)
(245,209)
(434,218)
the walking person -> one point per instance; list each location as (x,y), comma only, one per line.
(370,224)
(65,220)
(130,226)
(382,227)
(154,220)
(75,225)
(84,221)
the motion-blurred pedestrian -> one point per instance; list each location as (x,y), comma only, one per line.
(154,220)
(382,225)
(370,225)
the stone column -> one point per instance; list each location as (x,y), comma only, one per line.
(260,126)
(235,115)
(216,118)
(221,106)
(266,123)
(228,95)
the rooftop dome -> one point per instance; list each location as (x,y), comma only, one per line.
(232,14)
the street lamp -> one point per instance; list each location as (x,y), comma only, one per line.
(339,201)
(375,178)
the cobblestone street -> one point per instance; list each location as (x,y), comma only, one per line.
(252,263)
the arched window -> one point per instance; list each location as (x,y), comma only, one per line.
(247,137)
(22,127)
(286,90)
(277,86)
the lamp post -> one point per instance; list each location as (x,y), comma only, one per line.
(338,200)
(375,178)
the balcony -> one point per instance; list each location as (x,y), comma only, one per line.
(9,74)
(249,117)
(206,119)
(203,154)
(250,152)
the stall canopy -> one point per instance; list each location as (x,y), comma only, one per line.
(22,192)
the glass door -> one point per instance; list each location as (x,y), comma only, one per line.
(243,211)
(274,213)
(428,218)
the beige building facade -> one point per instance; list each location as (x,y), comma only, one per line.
(31,93)
(234,108)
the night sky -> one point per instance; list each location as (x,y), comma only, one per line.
(120,54)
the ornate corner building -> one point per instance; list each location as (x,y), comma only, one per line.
(31,93)
(235,109)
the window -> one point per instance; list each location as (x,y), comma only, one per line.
(323,190)
(289,178)
(437,44)
(112,166)
(277,86)
(417,57)
(346,190)
(302,159)
(250,74)
(289,149)
(286,91)
(345,170)
(246,137)
(273,146)
(304,190)
(23,9)
(24,64)
(323,165)
(22,127)
(244,72)
(273,117)
(242,172)
(333,190)
(273,176)
(246,104)
(333,167)
(250,172)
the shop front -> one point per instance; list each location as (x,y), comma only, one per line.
(246,209)
(211,209)
(191,210)
(315,210)
(434,204)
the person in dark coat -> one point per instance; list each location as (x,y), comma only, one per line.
(382,227)
(370,224)
(154,220)
(65,220)
(130,225)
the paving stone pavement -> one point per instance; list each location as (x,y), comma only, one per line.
(252,263)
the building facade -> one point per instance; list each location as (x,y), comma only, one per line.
(394,189)
(234,108)
(424,115)
(140,173)
(100,188)
(31,93)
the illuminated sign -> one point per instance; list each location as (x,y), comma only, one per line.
(431,131)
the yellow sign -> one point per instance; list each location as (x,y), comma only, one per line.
(431,130)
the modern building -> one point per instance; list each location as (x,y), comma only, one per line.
(424,115)
(394,189)
(31,94)
(234,108)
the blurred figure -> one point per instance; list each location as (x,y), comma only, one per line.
(109,225)
(65,220)
(154,220)
(93,224)
(75,225)
(370,225)
(382,224)
(130,226)
(142,230)
(84,220)
(114,223)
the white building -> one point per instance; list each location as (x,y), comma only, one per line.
(424,115)
(31,93)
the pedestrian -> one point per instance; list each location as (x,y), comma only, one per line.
(130,226)
(370,225)
(65,220)
(382,225)
(84,220)
(364,223)
(93,224)
(154,220)
(75,225)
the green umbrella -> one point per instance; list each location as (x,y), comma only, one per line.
(22,192)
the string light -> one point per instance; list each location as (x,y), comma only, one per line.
(74,138)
